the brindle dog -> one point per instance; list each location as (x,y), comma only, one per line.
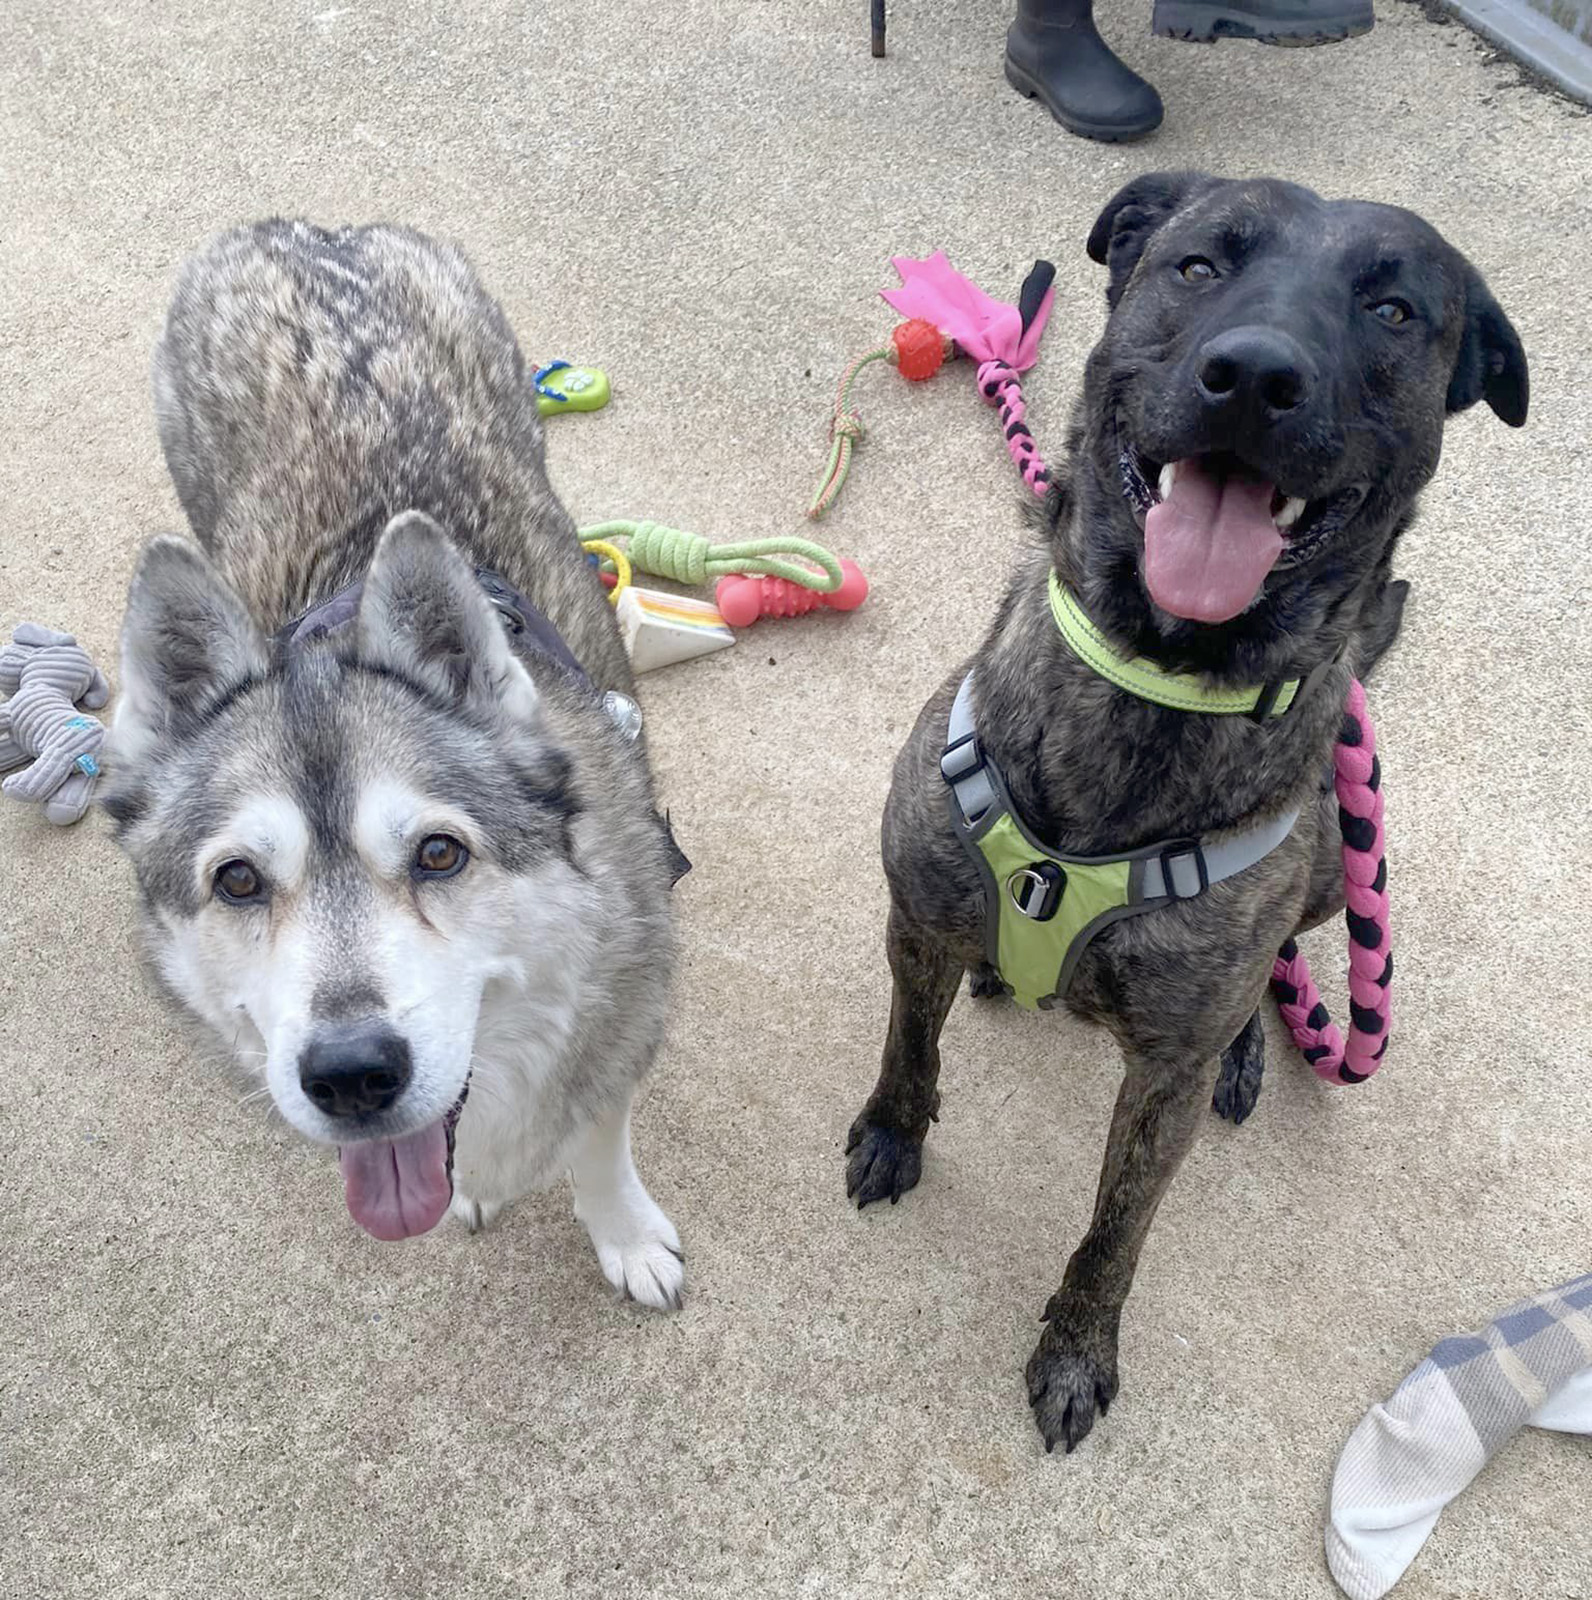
(1267,400)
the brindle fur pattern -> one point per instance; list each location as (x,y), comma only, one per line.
(1094,770)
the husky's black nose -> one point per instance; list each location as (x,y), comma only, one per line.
(1254,370)
(354,1069)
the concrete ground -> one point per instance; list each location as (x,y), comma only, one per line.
(213,1385)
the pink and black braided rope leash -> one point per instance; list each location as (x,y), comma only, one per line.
(1357,777)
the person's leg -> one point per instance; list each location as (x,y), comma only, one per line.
(1054,54)
(1291,22)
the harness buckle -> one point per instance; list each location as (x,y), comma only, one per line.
(1176,853)
(961,760)
(1036,890)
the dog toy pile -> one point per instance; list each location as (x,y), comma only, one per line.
(949,316)
(47,674)
(756,578)
(1410,1456)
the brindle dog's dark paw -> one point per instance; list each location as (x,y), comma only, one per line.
(881,1163)
(984,983)
(1243,1063)
(1072,1378)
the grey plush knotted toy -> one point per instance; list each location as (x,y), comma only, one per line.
(46,673)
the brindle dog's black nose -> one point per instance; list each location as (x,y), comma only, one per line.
(1257,370)
(355,1069)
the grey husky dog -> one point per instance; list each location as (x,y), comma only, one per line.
(1266,402)
(376,761)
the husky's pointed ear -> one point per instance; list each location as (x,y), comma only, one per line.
(1132,215)
(424,614)
(187,640)
(1491,364)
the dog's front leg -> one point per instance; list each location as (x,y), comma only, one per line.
(885,1147)
(1072,1373)
(637,1246)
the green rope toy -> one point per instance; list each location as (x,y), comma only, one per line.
(756,577)
(689,558)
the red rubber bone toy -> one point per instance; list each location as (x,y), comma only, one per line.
(742,600)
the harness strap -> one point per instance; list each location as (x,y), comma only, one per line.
(522,619)
(1177,869)
(531,630)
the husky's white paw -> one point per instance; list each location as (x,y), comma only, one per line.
(637,1248)
(474,1214)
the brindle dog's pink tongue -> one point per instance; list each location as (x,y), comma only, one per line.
(1209,545)
(397,1188)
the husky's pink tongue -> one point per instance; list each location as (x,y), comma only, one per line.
(1209,545)
(397,1188)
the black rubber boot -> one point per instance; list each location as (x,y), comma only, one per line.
(1054,54)
(1295,22)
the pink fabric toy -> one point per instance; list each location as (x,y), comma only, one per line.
(948,316)
(984,328)
(1002,338)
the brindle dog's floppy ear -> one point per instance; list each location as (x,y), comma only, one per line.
(1133,213)
(424,614)
(187,640)
(1491,364)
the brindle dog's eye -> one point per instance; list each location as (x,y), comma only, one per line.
(238,883)
(1198,270)
(1392,312)
(440,856)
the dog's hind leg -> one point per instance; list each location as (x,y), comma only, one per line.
(1072,1374)
(884,1149)
(1238,1083)
(637,1246)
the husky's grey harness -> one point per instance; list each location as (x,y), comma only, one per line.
(524,622)
(520,617)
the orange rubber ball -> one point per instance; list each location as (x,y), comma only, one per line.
(920,349)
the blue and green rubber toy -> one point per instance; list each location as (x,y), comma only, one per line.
(561,387)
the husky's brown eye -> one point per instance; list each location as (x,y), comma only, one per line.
(1198,270)
(440,856)
(238,882)
(1392,312)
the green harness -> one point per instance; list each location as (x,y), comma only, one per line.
(1043,907)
